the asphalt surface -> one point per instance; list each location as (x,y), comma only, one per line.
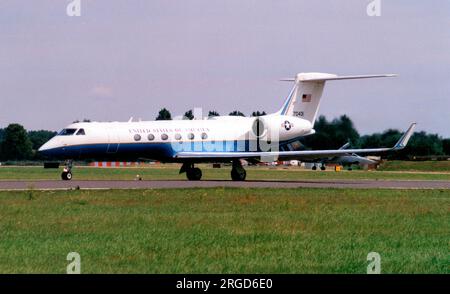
(94,184)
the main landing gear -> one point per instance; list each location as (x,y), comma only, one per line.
(192,173)
(238,173)
(322,167)
(66,175)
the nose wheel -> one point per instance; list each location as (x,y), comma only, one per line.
(66,175)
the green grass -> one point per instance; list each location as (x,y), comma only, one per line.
(225,230)
(170,171)
(433,166)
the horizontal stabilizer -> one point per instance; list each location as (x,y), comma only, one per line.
(322,77)
(304,98)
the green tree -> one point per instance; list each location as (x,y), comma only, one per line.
(164,114)
(188,115)
(344,131)
(446,146)
(257,113)
(212,113)
(371,141)
(84,120)
(420,144)
(16,145)
(236,113)
(423,144)
(38,138)
(2,132)
(332,135)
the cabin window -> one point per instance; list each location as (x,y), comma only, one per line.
(191,136)
(177,137)
(151,137)
(164,137)
(80,132)
(67,132)
(137,137)
(204,136)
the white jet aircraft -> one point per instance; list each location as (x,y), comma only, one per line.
(218,139)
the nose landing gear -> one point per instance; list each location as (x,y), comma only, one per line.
(66,175)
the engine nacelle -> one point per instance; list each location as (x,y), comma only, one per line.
(280,127)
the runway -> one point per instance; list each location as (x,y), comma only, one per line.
(97,184)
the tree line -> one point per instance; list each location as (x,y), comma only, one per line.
(165,114)
(16,143)
(335,133)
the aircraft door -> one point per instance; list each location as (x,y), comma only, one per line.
(113,141)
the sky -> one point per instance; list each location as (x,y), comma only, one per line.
(122,59)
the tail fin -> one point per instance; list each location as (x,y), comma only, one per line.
(304,99)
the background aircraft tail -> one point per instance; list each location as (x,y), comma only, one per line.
(304,98)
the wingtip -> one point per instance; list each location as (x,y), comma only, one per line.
(405,138)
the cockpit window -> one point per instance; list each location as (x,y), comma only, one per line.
(67,132)
(81,132)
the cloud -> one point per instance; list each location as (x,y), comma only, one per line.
(101,91)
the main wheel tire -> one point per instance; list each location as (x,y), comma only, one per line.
(238,174)
(322,167)
(66,176)
(194,174)
(314,167)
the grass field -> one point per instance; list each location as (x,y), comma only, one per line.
(428,166)
(225,230)
(170,171)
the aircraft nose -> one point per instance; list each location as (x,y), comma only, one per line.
(51,144)
(42,148)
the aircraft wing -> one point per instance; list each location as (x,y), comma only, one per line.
(290,155)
